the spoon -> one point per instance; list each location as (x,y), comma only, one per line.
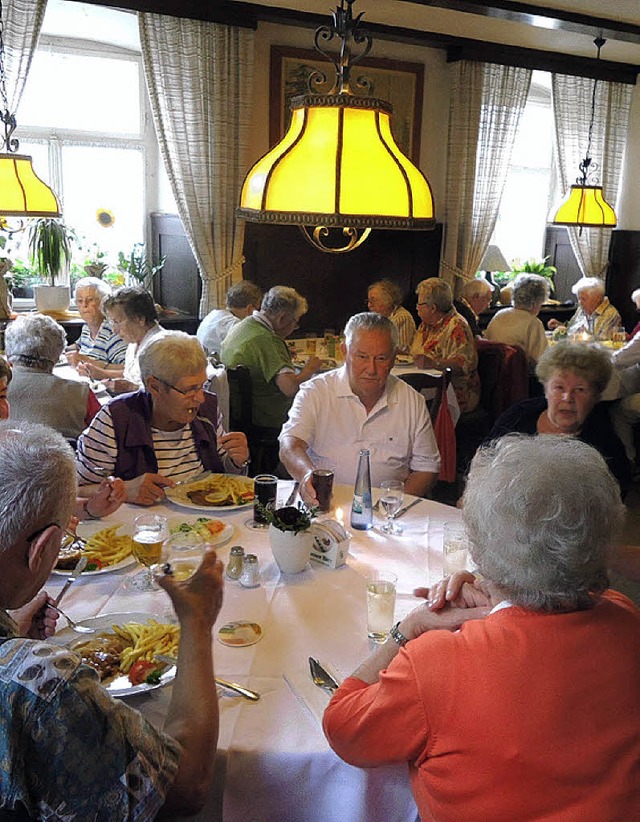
(80,629)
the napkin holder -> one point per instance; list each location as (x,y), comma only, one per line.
(330,543)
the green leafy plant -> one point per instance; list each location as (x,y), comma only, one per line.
(289,518)
(534,267)
(50,246)
(137,267)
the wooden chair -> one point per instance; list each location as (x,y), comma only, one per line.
(263,442)
(435,384)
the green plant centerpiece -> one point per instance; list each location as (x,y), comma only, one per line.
(50,245)
(138,268)
(290,536)
(533,266)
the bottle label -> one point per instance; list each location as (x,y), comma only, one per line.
(358,504)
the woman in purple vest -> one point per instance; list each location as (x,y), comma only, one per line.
(168,432)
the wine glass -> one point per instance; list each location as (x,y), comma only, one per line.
(183,552)
(150,533)
(391,500)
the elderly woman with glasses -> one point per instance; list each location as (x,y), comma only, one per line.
(133,316)
(445,340)
(524,703)
(169,431)
(594,314)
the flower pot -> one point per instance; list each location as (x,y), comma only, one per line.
(291,551)
(52,297)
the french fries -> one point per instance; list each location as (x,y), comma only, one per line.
(146,641)
(107,547)
(217,490)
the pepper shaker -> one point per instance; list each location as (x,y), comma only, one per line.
(250,576)
(236,558)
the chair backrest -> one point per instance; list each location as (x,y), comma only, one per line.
(429,383)
(240,399)
(504,376)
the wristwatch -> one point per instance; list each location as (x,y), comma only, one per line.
(397,636)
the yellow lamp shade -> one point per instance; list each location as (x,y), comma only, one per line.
(22,192)
(338,165)
(585,206)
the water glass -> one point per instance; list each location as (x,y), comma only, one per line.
(381,604)
(391,499)
(184,552)
(455,548)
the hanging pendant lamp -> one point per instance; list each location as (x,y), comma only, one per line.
(338,166)
(585,204)
(22,192)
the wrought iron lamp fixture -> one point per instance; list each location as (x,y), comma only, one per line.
(338,165)
(585,204)
(22,192)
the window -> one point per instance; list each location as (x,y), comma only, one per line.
(524,208)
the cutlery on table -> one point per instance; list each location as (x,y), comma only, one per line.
(292,495)
(80,629)
(247,693)
(404,510)
(320,677)
(80,566)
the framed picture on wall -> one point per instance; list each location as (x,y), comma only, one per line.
(399,83)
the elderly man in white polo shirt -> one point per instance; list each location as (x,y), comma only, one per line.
(361,405)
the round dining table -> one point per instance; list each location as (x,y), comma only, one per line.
(273,761)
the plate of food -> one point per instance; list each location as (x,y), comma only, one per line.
(213,531)
(107,547)
(123,650)
(217,492)
(404,359)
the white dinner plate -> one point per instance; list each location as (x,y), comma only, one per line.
(120,686)
(219,539)
(178,495)
(86,529)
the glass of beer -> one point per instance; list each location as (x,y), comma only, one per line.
(149,535)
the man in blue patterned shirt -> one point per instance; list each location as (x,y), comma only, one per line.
(68,751)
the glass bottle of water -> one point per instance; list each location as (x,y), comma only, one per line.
(362,508)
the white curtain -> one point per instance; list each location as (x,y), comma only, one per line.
(487,101)
(199,77)
(572,99)
(22,23)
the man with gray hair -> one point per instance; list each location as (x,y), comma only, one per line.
(361,405)
(258,342)
(243,299)
(68,750)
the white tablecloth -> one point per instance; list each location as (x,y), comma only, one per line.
(274,761)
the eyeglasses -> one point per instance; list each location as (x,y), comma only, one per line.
(191,392)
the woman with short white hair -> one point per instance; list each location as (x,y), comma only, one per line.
(385,297)
(519,325)
(595,314)
(98,341)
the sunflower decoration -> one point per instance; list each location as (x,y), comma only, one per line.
(105,217)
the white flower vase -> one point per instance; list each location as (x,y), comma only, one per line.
(290,551)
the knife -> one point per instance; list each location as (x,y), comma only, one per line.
(80,566)
(404,510)
(253,696)
(320,676)
(292,495)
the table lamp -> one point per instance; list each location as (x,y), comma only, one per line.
(493,260)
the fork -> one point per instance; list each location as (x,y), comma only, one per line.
(79,629)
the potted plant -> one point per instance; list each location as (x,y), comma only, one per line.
(290,535)
(136,266)
(539,267)
(50,242)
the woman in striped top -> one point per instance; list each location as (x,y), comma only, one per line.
(168,432)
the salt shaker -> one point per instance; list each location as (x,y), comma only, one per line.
(250,576)
(234,566)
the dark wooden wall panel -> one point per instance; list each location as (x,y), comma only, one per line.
(623,274)
(178,285)
(335,285)
(558,249)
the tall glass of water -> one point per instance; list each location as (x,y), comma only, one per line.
(391,500)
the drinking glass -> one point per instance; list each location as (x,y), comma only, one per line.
(184,553)
(150,533)
(455,546)
(391,500)
(381,603)
(266,491)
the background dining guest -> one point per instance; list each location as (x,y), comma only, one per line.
(574,377)
(258,342)
(518,714)
(361,405)
(385,297)
(477,294)
(98,342)
(635,298)
(242,300)
(625,412)
(595,314)
(34,343)
(444,340)
(520,325)
(69,750)
(133,315)
(169,431)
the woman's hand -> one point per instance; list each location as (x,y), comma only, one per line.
(111,493)
(450,618)
(147,489)
(460,590)
(235,446)
(201,596)
(35,619)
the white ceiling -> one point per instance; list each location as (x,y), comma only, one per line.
(463,24)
